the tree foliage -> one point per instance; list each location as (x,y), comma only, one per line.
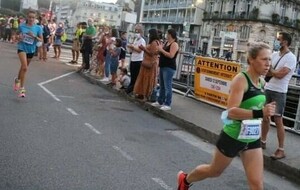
(11,4)
(44,3)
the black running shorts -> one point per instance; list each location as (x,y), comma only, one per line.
(28,55)
(231,147)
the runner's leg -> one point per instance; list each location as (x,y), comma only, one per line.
(219,163)
(23,68)
(253,164)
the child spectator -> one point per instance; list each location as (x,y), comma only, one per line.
(124,79)
(114,63)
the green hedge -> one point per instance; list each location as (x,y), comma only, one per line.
(4,11)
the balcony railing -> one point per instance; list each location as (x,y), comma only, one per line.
(171,5)
(295,24)
(173,19)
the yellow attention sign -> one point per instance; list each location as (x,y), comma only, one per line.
(213,78)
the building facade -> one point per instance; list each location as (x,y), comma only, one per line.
(103,13)
(183,15)
(231,24)
(29,4)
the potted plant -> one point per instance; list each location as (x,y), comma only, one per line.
(275,17)
(243,14)
(205,13)
(255,12)
(216,14)
(286,19)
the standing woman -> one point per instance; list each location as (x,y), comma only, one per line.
(101,51)
(239,136)
(28,35)
(146,80)
(57,40)
(167,64)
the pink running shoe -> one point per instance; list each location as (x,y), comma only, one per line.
(22,92)
(16,84)
(180,180)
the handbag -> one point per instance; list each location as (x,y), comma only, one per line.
(268,78)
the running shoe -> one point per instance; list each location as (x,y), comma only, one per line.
(22,92)
(180,180)
(16,84)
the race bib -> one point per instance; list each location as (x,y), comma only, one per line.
(250,129)
(28,39)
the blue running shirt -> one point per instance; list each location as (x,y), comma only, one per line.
(28,44)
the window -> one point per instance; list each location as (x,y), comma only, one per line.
(245,32)
(111,17)
(217,30)
(262,35)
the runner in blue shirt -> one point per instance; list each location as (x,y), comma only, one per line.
(29,37)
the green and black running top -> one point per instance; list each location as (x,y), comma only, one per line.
(253,99)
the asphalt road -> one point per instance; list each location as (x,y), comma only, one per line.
(70,134)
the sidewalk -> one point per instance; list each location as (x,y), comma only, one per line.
(204,121)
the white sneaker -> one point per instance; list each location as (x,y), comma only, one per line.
(165,108)
(155,104)
(86,71)
(105,79)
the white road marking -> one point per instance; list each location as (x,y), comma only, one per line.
(56,78)
(49,92)
(72,111)
(65,96)
(162,183)
(51,80)
(124,154)
(92,128)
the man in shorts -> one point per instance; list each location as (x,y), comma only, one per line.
(277,87)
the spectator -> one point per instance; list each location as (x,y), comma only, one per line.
(228,56)
(76,44)
(57,40)
(137,56)
(84,26)
(146,80)
(14,28)
(8,26)
(2,27)
(115,52)
(167,64)
(52,26)
(124,79)
(46,36)
(276,89)
(90,32)
(101,51)
(109,45)
(123,49)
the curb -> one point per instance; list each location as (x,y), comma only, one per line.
(276,166)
